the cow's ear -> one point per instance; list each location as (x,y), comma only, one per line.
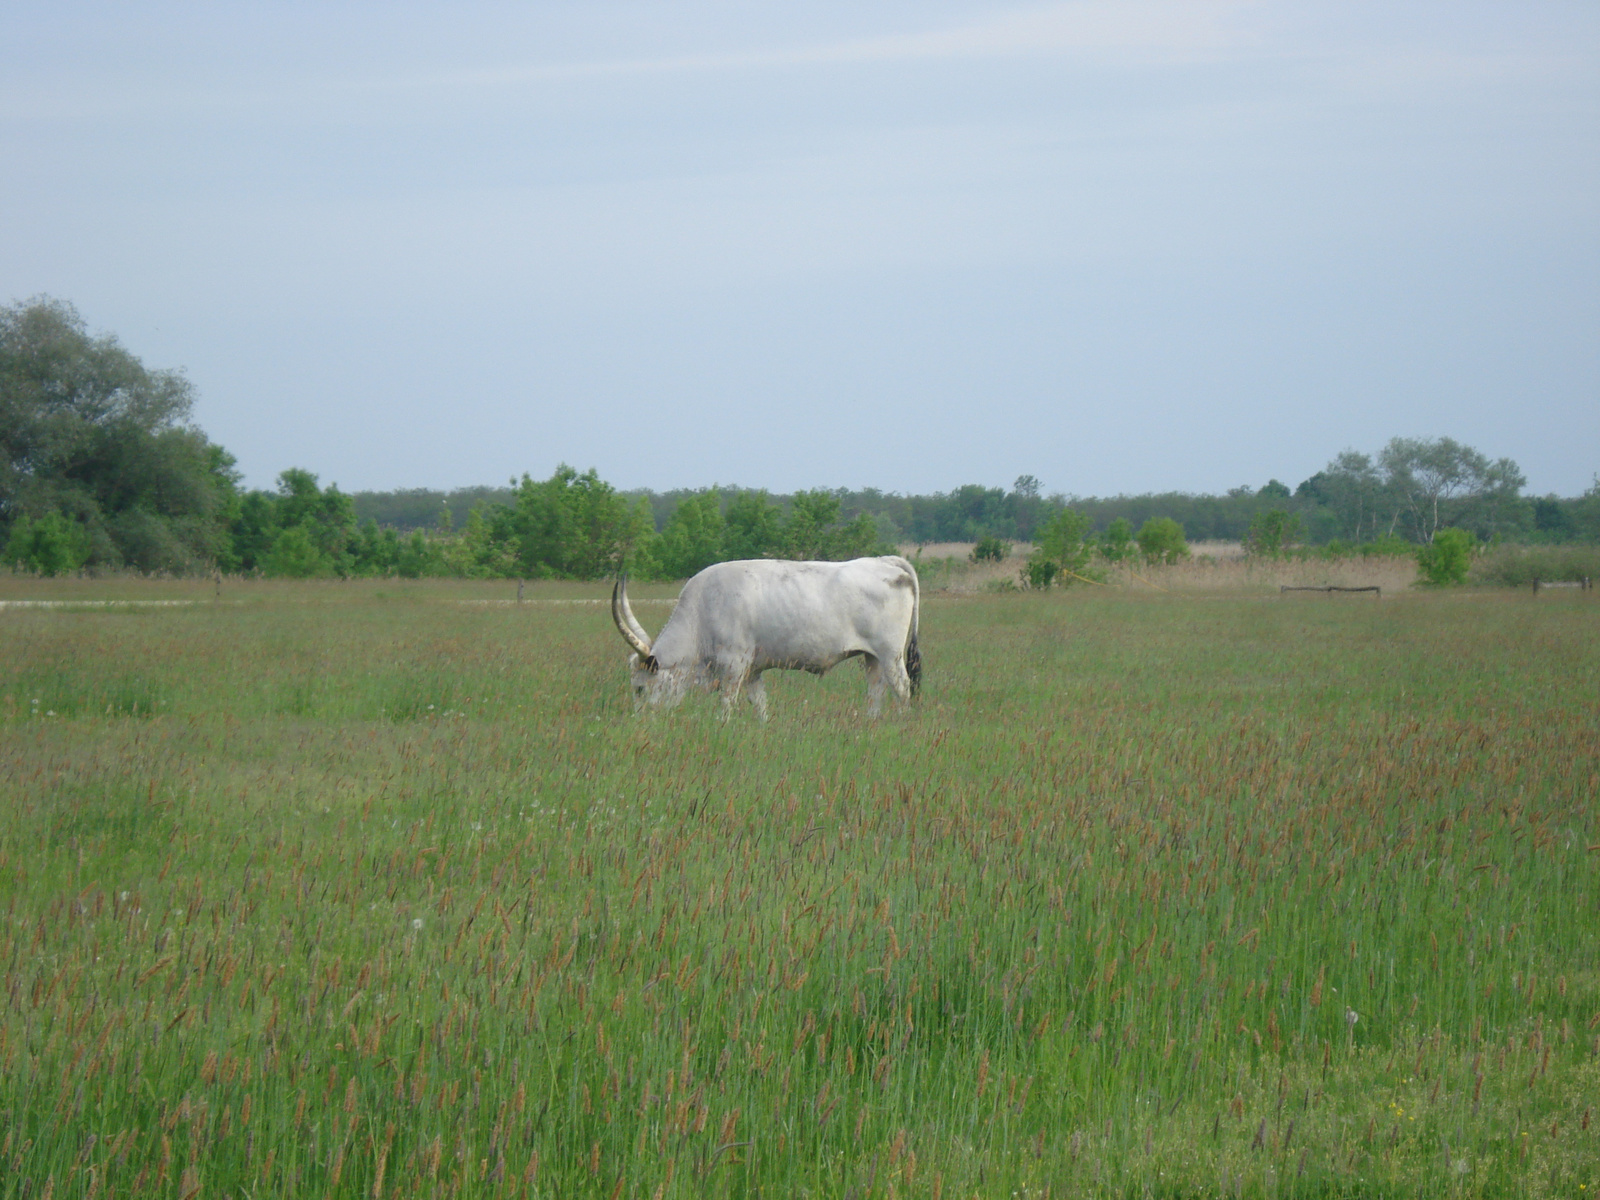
(650,664)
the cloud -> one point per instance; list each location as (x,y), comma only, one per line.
(1135,32)
(1384,72)
(1146,30)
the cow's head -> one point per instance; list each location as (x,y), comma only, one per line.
(648,679)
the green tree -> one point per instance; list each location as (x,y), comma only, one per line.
(325,521)
(753,527)
(327,514)
(811,516)
(1116,543)
(1586,514)
(88,432)
(1441,482)
(418,557)
(1444,560)
(1027,506)
(1353,491)
(376,551)
(294,555)
(856,538)
(476,552)
(693,538)
(50,545)
(1061,551)
(1161,541)
(576,526)
(1272,533)
(1552,519)
(255,529)
(814,530)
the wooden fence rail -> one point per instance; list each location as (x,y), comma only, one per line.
(1376,591)
(1584,585)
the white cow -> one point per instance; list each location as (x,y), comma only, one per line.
(735,620)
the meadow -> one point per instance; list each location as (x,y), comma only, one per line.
(383,889)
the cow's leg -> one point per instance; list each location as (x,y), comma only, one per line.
(875,684)
(895,672)
(731,678)
(730,686)
(757,691)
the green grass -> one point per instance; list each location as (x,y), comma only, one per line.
(359,890)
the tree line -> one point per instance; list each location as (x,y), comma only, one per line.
(573,525)
(101,466)
(1406,492)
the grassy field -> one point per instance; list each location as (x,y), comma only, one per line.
(382,890)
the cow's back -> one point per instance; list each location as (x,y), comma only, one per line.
(776,613)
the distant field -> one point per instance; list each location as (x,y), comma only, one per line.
(1214,566)
(377,889)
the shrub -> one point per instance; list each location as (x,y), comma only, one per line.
(1161,541)
(52,545)
(1272,533)
(1388,546)
(1117,541)
(1040,570)
(693,537)
(295,556)
(1062,554)
(1444,561)
(991,549)
(1519,566)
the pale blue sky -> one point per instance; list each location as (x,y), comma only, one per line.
(1122,246)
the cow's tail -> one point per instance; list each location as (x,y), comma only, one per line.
(913,655)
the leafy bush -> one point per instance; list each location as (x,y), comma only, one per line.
(1272,533)
(418,557)
(51,545)
(295,556)
(1388,546)
(1444,561)
(1062,553)
(1161,541)
(754,526)
(694,537)
(1040,571)
(1519,566)
(991,549)
(1116,543)
(575,526)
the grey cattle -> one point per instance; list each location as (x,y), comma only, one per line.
(735,620)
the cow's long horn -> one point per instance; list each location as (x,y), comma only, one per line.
(628,625)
